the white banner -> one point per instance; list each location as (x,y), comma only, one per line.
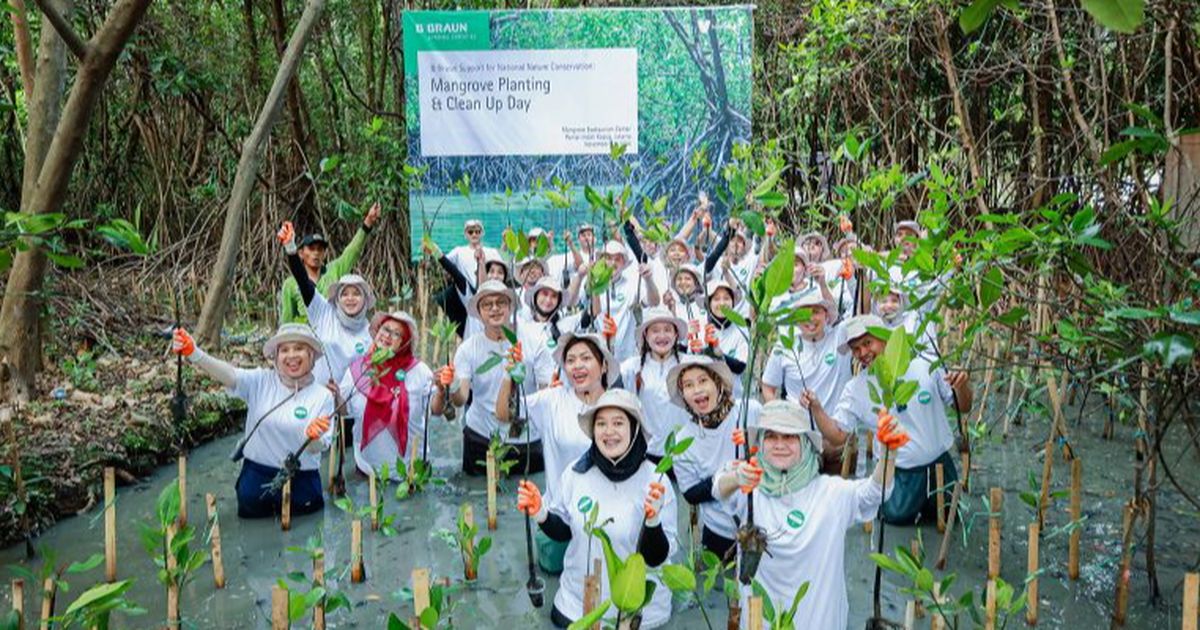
(528,102)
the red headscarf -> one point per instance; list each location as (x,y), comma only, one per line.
(385,391)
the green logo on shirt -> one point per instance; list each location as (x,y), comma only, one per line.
(552,344)
(359,348)
(924,397)
(585,505)
(620,297)
(795,519)
(829,358)
(401,375)
(300,413)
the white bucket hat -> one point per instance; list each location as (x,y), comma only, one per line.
(858,326)
(811,299)
(614,248)
(820,238)
(724,375)
(491,287)
(470,223)
(622,399)
(688,269)
(657,314)
(545,282)
(523,265)
(789,418)
(491,257)
(909,225)
(716,285)
(293,332)
(379,318)
(560,353)
(351,279)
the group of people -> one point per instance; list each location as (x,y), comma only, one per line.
(593,386)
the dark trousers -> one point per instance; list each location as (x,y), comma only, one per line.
(717,544)
(474,455)
(257,500)
(914,496)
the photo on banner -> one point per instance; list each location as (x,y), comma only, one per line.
(527,106)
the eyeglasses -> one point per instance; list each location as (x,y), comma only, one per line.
(474,231)
(493,305)
(391,333)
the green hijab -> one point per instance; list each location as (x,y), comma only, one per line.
(778,483)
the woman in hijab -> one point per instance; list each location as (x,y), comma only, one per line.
(607,477)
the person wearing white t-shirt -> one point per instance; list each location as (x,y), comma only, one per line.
(814,362)
(630,283)
(546,302)
(807,278)
(805,516)
(609,478)
(529,271)
(728,341)
(554,411)
(466,257)
(685,297)
(387,391)
(493,305)
(659,339)
(339,318)
(287,419)
(703,389)
(924,418)
(815,246)
(490,267)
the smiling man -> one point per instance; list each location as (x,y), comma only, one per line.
(924,418)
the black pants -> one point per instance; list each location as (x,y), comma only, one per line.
(474,455)
(717,544)
(256,500)
(558,619)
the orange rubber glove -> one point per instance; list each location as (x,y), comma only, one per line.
(694,343)
(610,327)
(182,343)
(847,271)
(710,336)
(888,431)
(749,474)
(316,427)
(446,376)
(555,381)
(286,233)
(845,224)
(515,354)
(739,437)
(653,504)
(529,500)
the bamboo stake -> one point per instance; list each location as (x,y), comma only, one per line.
(989,373)
(910,615)
(18,601)
(110,524)
(279,608)
(1121,602)
(1191,600)
(420,587)
(965,459)
(357,572)
(183,515)
(1048,462)
(319,580)
(373,493)
(469,519)
(944,550)
(48,589)
(754,616)
(1031,589)
(850,456)
(285,507)
(491,490)
(869,526)
(734,621)
(333,463)
(994,524)
(591,590)
(214,537)
(989,622)
(936,620)
(914,546)
(1076,515)
(940,476)
(1008,404)
(173,586)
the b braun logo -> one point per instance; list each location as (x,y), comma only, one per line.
(442,29)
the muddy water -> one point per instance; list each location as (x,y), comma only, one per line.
(256,555)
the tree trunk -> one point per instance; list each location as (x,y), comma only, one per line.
(20,341)
(221,284)
(23,45)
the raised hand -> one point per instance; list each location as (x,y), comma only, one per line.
(515,354)
(847,270)
(710,336)
(888,431)
(749,474)
(845,224)
(286,234)
(610,327)
(182,343)
(652,506)
(445,376)
(372,215)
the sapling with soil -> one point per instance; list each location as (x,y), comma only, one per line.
(169,547)
(439,613)
(463,539)
(318,593)
(92,608)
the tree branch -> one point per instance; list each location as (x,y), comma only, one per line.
(68,34)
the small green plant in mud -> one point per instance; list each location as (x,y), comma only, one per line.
(92,609)
(682,579)
(80,369)
(318,593)
(439,613)
(175,559)
(387,522)
(462,538)
(417,475)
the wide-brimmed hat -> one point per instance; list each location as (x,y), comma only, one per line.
(800,253)
(535,232)
(491,287)
(789,418)
(909,225)
(691,269)
(565,341)
(293,332)
(811,299)
(352,279)
(657,314)
(714,285)
(585,227)
(470,223)
(622,399)
(545,282)
(820,238)
(379,318)
(313,239)
(615,248)
(677,241)
(524,263)
(723,373)
(848,239)
(859,326)
(492,257)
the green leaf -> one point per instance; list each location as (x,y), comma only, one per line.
(98,593)
(1118,151)
(429,618)
(87,565)
(737,318)
(1013,316)
(974,15)
(1171,348)
(1123,16)
(1130,312)
(904,392)
(330,163)
(629,589)
(778,277)
(990,287)
(66,261)
(510,334)
(678,578)
(168,504)
(767,185)
(592,618)
(772,199)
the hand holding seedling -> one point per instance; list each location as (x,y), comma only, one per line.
(182,343)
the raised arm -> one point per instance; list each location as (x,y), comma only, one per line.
(345,263)
(220,371)
(287,237)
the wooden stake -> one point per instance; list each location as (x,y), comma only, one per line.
(1012,390)
(936,620)
(1076,515)
(319,580)
(469,519)
(994,524)
(18,602)
(944,550)
(1047,469)
(357,572)
(373,493)
(991,358)
(214,537)
(850,457)
(173,587)
(591,590)
(285,507)
(333,457)
(914,547)
(989,622)
(48,590)
(910,615)
(491,490)
(940,476)
(1122,598)
(279,608)
(965,479)
(754,616)
(420,588)
(110,524)
(183,515)
(1191,600)
(1031,588)
(734,621)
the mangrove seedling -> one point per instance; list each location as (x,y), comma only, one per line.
(439,613)
(417,475)
(89,609)
(302,602)
(175,559)
(463,539)
(779,619)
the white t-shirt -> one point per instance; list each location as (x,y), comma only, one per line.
(710,451)
(554,412)
(690,312)
(481,413)
(661,416)
(825,370)
(622,502)
(463,257)
(807,533)
(733,342)
(841,297)
(539,345)
(924,418)
(620,307)
(342,346)
(383,449)
(281,431)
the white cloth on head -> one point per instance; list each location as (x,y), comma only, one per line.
(342,345)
